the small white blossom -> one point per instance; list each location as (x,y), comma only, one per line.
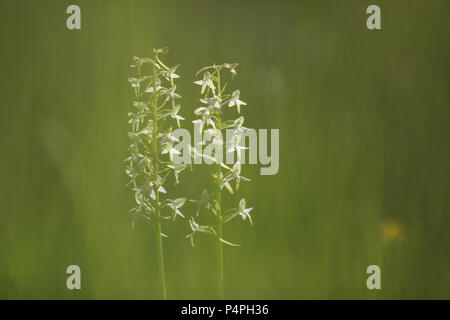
(238,125)
(135,83)
(134,120)
(235,174)
(158,87)
(231,67)
(171,94)
(235,145)
(206,82)
(240,211)
(177,169)
(244,212)
(132,173)
(170,150)
(140,201)
(174,114)
(169,140)
(203,202)
(234,101)
(176,205)
(213,102)
(196,228)
(138,62)
(152,191)
(141,106)
(216,136)
(170,74)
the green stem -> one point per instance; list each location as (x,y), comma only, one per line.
(161,259)
(155,176)
(219,246)
(219,213)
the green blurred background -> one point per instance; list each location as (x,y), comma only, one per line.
(364,148)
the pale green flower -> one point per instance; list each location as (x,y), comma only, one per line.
(216,136)
(177,169)
(140,201)
(235,175)
(231,67)
(212,102)
(234,101)
(206,82)
(168,148)
(174,114)
(160,189)
(238,125)
(203,202)
(235,145)
(175,205)
(171,94)
(150,89)
(170,73)
(196,228)
(132,173)
(141,106)
(138,62)
(136,82)
(241,211)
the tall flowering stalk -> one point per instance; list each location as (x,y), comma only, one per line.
(150,162)
(211,125)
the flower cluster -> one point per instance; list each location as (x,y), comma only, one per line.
(215,100)
(150,160)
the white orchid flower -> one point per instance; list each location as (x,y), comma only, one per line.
(174,114)
(171,94)
(231,67)
(158,87)
(170,139)
(235,145)
(205,113)
(176,205)
(196,228)
(138,62)
(243,211)
(140,200)
(135,83)
(177,169)
(212,102)
(203,202)
(203,121)
(238,125)
(234,101)
(152,191)
(200,111)
(194,225)
(141,106)
(235,174)
(240,211)
(144,160)
(170,74)
(170,150)
(216,136)
(197,154)
(134,120)
(206,82)
(133,174)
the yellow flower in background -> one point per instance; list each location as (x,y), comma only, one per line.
(391,230)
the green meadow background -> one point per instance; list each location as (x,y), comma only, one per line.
(364,172)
